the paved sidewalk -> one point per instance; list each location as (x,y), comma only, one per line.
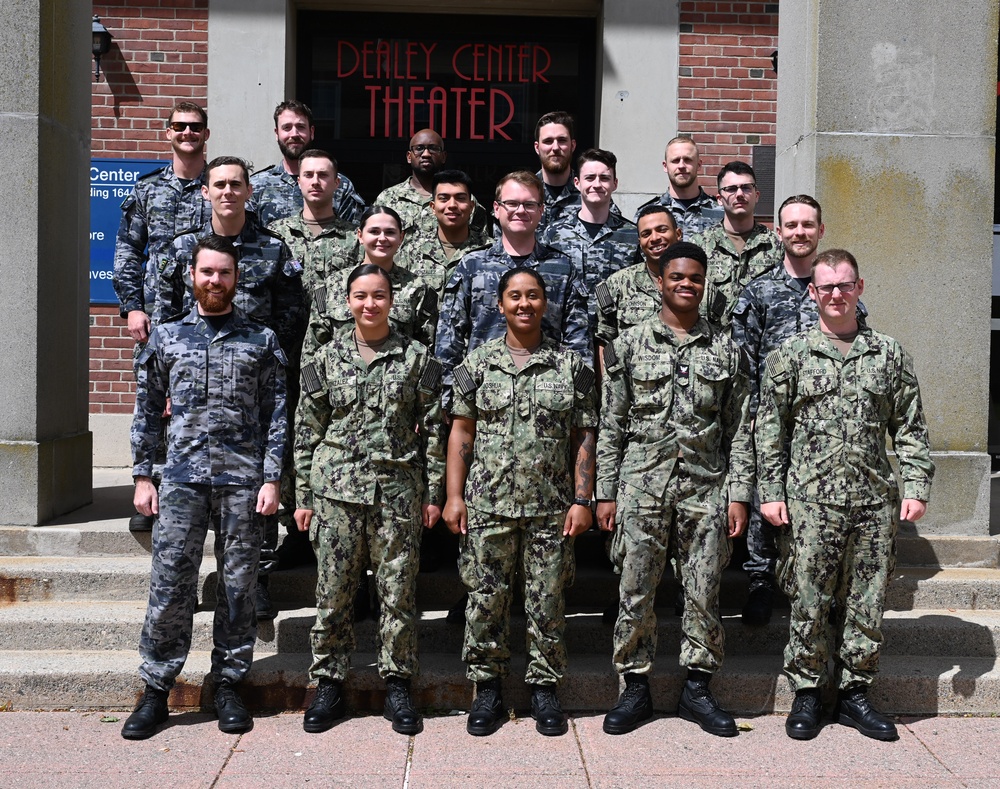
(77,749)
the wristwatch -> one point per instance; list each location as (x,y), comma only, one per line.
(582,502)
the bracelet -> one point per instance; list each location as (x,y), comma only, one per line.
(582,502)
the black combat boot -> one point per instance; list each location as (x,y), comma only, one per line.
(150,713)
(757,611)
(326,708)
(803,722)
(487,710)
(398,707)
(233,716)
(140,522)
(262,603)
(634,706)
(550,720)
(854,709)
(698,705)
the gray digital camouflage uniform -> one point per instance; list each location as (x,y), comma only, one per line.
(413,312)
(729,272)
(821,448)
(518,491)
(625,299)
(369,451)
(276,194)
(159,208)
(612,249)
(695,217)
(226,436)
(772,308)
(470,316)
(674,434)
(428,258)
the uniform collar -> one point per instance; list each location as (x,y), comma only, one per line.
(545,356)
(823,345)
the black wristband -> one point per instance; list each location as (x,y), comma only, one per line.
(582,502)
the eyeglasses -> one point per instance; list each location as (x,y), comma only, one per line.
(745,188)
(843,287)
(428,148)
(179,126)
(513,205)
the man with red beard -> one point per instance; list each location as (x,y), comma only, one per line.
(226,439)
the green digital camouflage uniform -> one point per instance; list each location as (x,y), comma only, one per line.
(226,436)
(821,448)
(674,429)
(612,249)
(625,299)
(414,209)
(730,272)
(428,258)
(518,491)
(332,250)
(413,312)
(369,451)
(694,217)
(276,194)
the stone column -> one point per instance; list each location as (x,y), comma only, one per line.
(45,446)
(886,114)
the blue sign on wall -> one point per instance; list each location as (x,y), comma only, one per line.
(111,181)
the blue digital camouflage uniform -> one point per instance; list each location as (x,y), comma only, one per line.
(694,217)
(821,448)
(159,207)
(470,315)
(772,308)
(414,310)
(369,451)
(557,201)
(612,249)
(429,259)
(625,299)
(518,491)
(414,209)
(276,194)
(226,436)
(674,434)
(729,271)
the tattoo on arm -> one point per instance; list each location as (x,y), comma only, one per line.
(585,463)
(466,455)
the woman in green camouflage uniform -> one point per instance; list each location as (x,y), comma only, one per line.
(369,458)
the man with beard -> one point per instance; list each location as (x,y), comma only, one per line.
(225,443)
(163,203)
(269,291)
(275,189)
(555,144)
(412,198)
(693,209)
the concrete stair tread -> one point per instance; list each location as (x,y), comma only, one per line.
(746,685)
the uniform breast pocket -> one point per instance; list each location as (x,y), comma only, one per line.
(398,393)
(342,396)
(651,392)
(553,409)
(710,381)
(241,363)
(873,400)
(494,403)
(816,399)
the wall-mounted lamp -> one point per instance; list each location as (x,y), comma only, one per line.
(101,45)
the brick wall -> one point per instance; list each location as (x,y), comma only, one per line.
(728,91)
(158,57)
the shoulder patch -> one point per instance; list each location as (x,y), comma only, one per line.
(310,380)
(431,378)
(319,299)
(744,362)
(583,380)
(610,355)
(604,301)
(463,381)
(777,367)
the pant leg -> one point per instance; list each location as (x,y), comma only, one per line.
(762,544)
(394,540)
(703,551)
(549,565)
(818,539)
(645,523)
(867,568)
(487,561)
(338,538)
(237,554)
(178,544)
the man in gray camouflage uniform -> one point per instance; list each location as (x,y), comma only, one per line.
(269,290)
(226,439)
(739,248)
(163,203)
(693,210)
(469,314)
(828,398)
(674,435)
(598,241)
(434,257)
(276,191)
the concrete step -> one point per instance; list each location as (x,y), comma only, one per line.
(36,578)
(89,625)
(747,685)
